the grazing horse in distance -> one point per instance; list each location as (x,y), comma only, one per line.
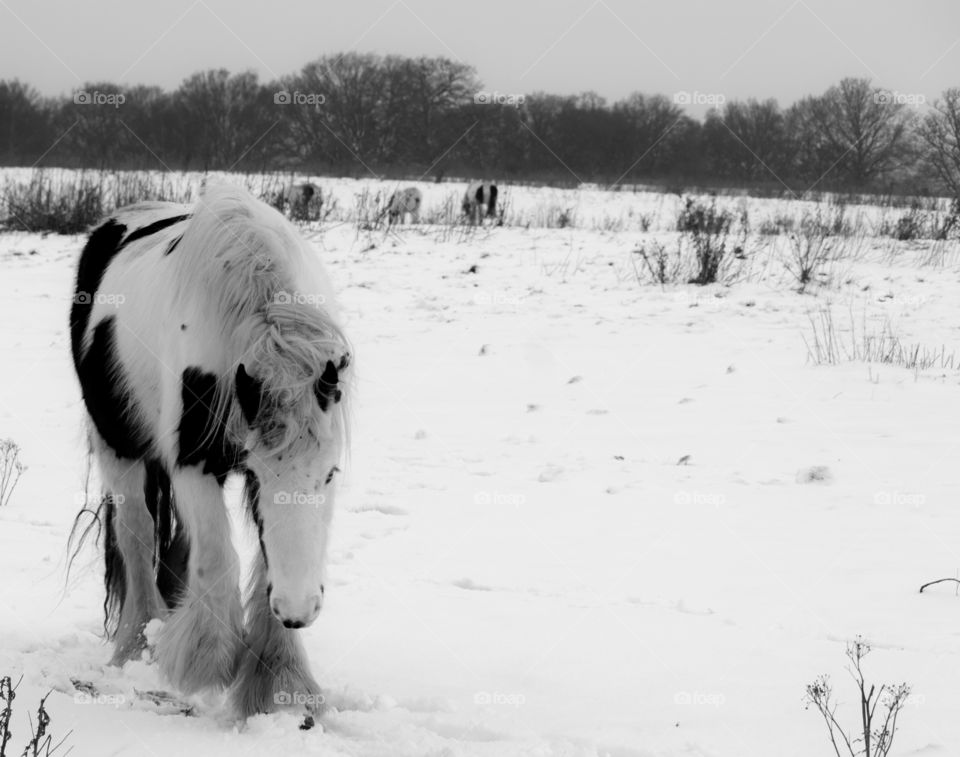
(206,344)
(303,201)
(404,202)
(480,200)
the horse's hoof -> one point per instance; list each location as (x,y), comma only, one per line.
(130,647)
(198,649)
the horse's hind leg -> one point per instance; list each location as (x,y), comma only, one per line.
(131,583)
(197,647)
(274,672)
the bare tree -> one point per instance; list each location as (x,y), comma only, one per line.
(651,127)
(747,140)
(24,124)
(96,134)
(366,110)
(146,127)
(336,108)
(862,129)
(940,131)
(422,91)
(224,115)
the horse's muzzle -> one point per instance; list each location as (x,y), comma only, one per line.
(296,616)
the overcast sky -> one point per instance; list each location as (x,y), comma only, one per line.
(739,48)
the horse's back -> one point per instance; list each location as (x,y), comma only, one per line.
(122,263)
(116,239)
(119,324)
(158,281)
(142,213)
(128,228)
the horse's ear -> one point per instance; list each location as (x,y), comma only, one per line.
(326,386)
(249,393)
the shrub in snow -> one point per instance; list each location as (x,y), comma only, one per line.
(663,267)
(879,709)
(10,469)
(41,743)
(810,246)
(708,229)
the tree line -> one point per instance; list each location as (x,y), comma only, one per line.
(361,114)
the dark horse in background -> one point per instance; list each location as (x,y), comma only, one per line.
(479,201)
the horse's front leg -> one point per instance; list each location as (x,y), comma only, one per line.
(197,647)
(274,673)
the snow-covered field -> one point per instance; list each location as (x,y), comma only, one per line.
(578,518)
(588,207)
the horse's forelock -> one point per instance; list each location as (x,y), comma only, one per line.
(287,353)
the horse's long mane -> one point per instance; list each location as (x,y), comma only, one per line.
(272,308)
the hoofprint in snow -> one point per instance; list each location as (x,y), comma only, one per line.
(519,563)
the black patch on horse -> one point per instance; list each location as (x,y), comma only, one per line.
(171,547)
(102,245)
(173,245)
(249,394)
(492,204)
(110,404)
(325,387)
(201,434)
(153,228)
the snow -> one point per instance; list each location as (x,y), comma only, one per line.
(583,515)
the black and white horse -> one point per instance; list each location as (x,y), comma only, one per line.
(303,201)
(223,355)
(480,200)
(405,202)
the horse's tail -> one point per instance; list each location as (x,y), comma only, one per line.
(171,548)
(114,574)
(100,520)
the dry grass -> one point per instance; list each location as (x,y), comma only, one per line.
(70,203)
(830,343)
(820,240)
(708,229)
(41,743)
(659,264)
(11,468)
(879,707)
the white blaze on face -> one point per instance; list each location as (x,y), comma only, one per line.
(295,509)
